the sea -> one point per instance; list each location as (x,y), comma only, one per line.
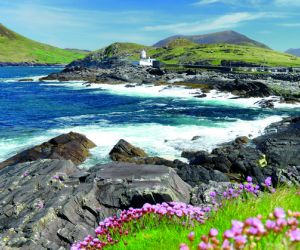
(162,120)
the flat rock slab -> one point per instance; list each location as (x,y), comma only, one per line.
(126,185)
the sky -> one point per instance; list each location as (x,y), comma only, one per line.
(93,24)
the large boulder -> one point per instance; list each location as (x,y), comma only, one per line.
(71,146)
(123,151)
(124,185)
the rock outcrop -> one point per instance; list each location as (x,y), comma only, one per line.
(125,152)
(275,154)
(71,146)
(281,143)
(49,204)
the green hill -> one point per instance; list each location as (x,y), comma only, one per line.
(183,51)
(214,54)
(15,48)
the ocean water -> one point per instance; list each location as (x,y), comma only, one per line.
(160,120)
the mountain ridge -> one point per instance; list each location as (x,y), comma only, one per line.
(228,36)
(295,52)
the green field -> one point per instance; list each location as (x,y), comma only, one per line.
(170,236)
(16,48)
(182,51)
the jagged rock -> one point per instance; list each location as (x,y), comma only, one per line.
(71,146)
(196,175)
(36,206)
(242,139)
(265,103)
(49,204)
(281,143)
(123,151)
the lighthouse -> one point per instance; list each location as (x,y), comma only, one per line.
(143,54)
(148,62)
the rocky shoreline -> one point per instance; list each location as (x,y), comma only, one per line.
(117,71)
(49,202)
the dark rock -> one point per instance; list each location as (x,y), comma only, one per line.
(245,88)
(195,174)
(200,96)
(281,143)
(129,185)
(123,151)
(242,139)
(71,146)
(26,80)
(265,103)
(195,138)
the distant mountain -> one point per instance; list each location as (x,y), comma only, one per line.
(229,37)
(295,52)
(83,51)
(15,48)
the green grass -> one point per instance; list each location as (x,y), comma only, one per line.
(169,236)
(181,51)
(16,48)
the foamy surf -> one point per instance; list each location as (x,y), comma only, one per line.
(153,91)
(156,139)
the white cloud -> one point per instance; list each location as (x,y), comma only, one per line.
(223,22)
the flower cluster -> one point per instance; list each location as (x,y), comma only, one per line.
(241,191)
(249,233)
(113,228)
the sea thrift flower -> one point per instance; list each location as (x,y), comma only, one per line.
(213,232)
(191,236)
(295,235)
(270,225)
(184,247)
(279,213)
(249,179)
(268,182)
(213,194)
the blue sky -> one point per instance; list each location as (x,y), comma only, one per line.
(93,24)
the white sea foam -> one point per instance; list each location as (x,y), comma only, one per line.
(182,93)
(158,140)
(17,79)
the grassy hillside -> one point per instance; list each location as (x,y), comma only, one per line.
(184,51)
(16,48)
(214,53)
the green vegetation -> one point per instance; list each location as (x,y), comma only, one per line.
(16,48)
(169,236)
(183,51)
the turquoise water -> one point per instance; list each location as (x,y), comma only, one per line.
(162,121)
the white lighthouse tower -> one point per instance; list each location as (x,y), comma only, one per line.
(144,61)
(143,54)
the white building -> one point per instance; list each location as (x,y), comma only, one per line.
(150,62)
